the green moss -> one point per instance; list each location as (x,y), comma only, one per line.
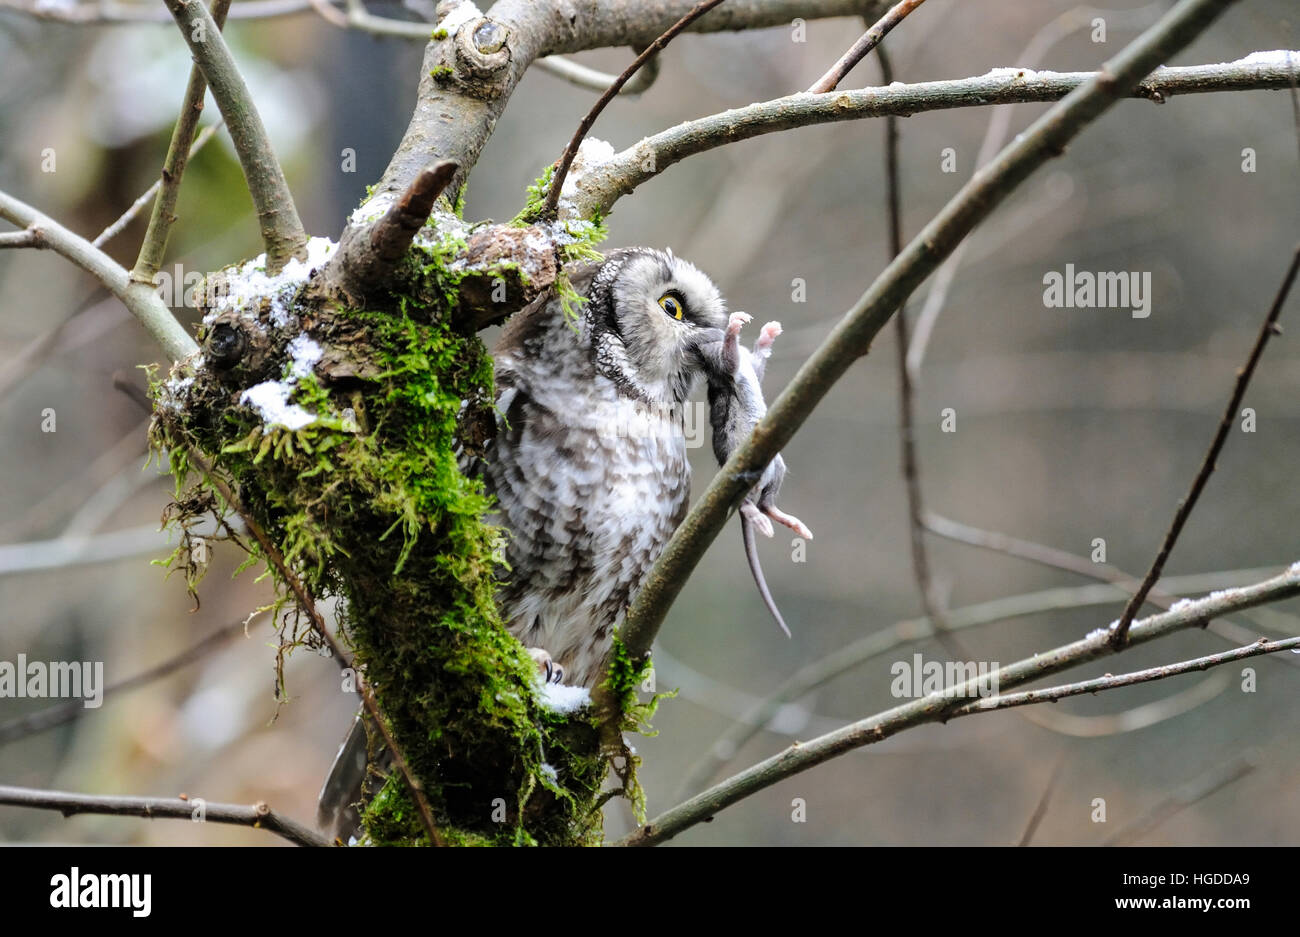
(442,73)
(438,35)
(367,503)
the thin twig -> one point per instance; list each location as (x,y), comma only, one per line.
(906,419)
(28,237)
(1046,139)
(1199,788)
(1266,331)
(649,52)
(1040,811)
(143,301)
(1110,682)
(258,815)
(58,715)
(163,216)
(866,42)
(282,230)
(117,227)
(110,11)
(939,707)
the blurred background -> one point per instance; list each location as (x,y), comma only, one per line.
(1071,424)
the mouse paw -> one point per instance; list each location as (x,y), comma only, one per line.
(767,336)
(736,321)
(550,671)
(789,520)
(755,517)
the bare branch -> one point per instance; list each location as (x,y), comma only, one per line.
(646,54)
(258,815)
(860,49)
(142,300)
(111,11)
(28,237)
(1040,811)
(853,335)
(578,74)
(636,165)
(1185,507)
(939,707)
(162,218)
(282,231)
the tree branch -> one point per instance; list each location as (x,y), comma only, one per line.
(1186,506)
(860,49)
(646,54)
(142,300)
(852,337)
(636,165)
(258,815)
(163,216)
(282,230)
(938,707)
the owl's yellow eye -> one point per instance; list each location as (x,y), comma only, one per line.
(671,305)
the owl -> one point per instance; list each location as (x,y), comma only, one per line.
(587,465)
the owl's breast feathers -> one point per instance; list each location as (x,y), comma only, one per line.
(590,483)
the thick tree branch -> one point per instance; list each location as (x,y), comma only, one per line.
(1188,504)
(852,337)
(938,707)
(163,216)
(630,168)
(282,230)
(257,815)
(142,300)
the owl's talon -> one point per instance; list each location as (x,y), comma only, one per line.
(547,668)
(736,321)
(789,520)
(767,336)
(755,517)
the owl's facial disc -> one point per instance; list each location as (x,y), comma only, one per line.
(664,307)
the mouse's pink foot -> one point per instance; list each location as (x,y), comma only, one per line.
(768,335)
(789,520)
(755,516)
(736,321)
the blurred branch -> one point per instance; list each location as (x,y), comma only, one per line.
(1136,717)
(649,52)
(1055,558)
(163,215)
(594,80)
(117,227)
(1186,506)
(846,343)
(142,300)
(860,49)
(939,707)
(636,165)
(258,815)
(282,231)
(58,715)
(1040,811)
(110,11)
(1199,788)
(910,630)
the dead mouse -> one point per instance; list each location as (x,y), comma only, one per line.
(735,405)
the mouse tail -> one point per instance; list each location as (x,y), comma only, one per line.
(751,554)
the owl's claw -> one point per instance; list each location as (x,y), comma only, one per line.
(550,671)
(736,321)
(755,517)
(789,520)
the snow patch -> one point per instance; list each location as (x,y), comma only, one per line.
(560,698)
(271,400)
(248,284)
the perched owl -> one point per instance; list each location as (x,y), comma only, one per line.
(588,463)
